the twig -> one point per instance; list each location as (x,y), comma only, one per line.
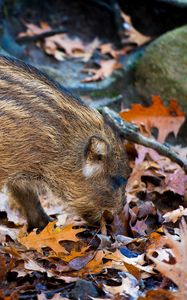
(40,36)
(130,133)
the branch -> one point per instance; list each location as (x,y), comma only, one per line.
(40,36)
(130,133)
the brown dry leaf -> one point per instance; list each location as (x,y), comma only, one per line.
(33,29)
(3,268)
(61,44)
(74,254)
(135,36)
(108,49)
(176,181)
(6,231)
(72,47)
(156,241)
(174,215)
(140,228)
(106,69)
(89,49)
(171,176)
(57,296)
(176,272)
(50,237)
(119,260)
(128,286)
(96,265)
(79,263)
(135,184)
(166,119)
(13,296)
(9,206)
(160,294)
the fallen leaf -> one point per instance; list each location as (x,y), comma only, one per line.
(174,215)
(72,47)
(176,272)
(160,294)
(75,254)
(9,206)
(108,49)
(50,237)
(13,296)
(118,259)
(134,36)
(33,29)
(5,231)
(155,242)
(96,265)
(3,268)
(106,69)
(61,45)
(166,119)
(128,286)
(140,228)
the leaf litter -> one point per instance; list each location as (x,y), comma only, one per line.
(62,46)
(141,255)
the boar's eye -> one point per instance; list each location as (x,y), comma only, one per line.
(118,181)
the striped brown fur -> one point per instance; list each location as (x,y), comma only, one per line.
(50,139)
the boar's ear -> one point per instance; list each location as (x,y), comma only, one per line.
(96,150)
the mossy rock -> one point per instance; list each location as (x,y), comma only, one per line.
(163,68)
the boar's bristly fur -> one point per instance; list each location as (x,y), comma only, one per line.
(49,139)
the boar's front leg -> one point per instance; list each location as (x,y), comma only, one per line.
(26,194)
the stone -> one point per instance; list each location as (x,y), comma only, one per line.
(162,69)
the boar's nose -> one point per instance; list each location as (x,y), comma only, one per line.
(118,181)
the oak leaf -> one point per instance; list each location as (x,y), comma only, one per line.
(134,36)
(72,47)
(96,265)
(106,69)
(61,45)
(174,215)
(176,272)
(159,294)
(166,119)
(108,49)
(33,29)
(128,286)
(50,237)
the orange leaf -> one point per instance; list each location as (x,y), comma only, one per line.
(74,254)
(50,237)
(96,265)
(166,119)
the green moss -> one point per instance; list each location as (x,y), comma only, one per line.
(162,68)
